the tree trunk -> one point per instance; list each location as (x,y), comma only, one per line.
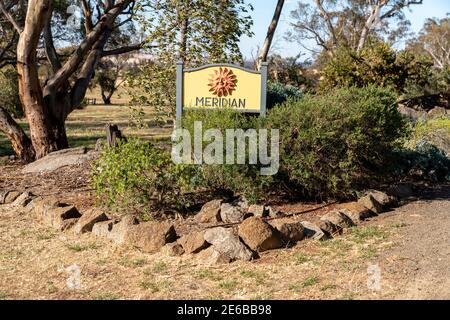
(20,142)
(37,112)
(270,34)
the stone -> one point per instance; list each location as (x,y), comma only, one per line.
(193,242)
(151,236)
(173,249)
(258,235)
(120,230)
(24,199)
(437,113)
(88,220)
(313,231)
(355,211)
(384,199)
(3,194)
(41,205)
(290,231)
(102,229)
(412,113)
(68,224)
(211,256)
(226,242)
(11,196)
(258,210)
(241,202)
(329,228)
(371,203)
(230,213)
(56,217)
(59,159)
(401,190)
(210,212)
(338,218)
(273,213)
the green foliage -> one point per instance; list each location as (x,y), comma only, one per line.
(106,77)
(377,64)
(239,179)
(9,92)
(424,162)
(334,143)
(141,176)
(331,145)
(278,93)
(193,31)
(156,89)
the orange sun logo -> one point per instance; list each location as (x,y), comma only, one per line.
(222,82)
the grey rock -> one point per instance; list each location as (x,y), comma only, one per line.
(290,231)
(384,199)
(226,242)
(59,159)
(103,229)
(210,212)
(211,256)
(120,230)
(371,203)
(258,210)
(313,231)
(339,219)
(230,213)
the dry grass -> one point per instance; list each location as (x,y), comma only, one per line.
(34,261)
(86,126)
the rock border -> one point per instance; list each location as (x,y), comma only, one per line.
(232,230)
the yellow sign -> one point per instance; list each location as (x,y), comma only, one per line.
(222,86)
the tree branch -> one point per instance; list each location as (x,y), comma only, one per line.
(10,18)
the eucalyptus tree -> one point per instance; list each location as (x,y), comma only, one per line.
(332,24)
(39,24)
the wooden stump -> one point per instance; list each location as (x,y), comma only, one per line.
(113,135)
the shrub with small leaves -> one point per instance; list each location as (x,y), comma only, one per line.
(142,176)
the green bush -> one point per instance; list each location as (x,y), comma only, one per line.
(377,64)
(142,176)
(278,93)
(331,145)
(9,92)
(335,143)
(238,179)
(424,162)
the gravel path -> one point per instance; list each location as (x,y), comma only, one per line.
(418,267)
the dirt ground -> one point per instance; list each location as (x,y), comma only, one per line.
(400,254)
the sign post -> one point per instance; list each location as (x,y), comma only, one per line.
(221,86)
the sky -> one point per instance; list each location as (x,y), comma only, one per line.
(264,10)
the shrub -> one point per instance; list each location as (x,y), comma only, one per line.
(141,176)
(423,162)
(9,92)
(278,93)
(238,179)
(332,144)
(377,64)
